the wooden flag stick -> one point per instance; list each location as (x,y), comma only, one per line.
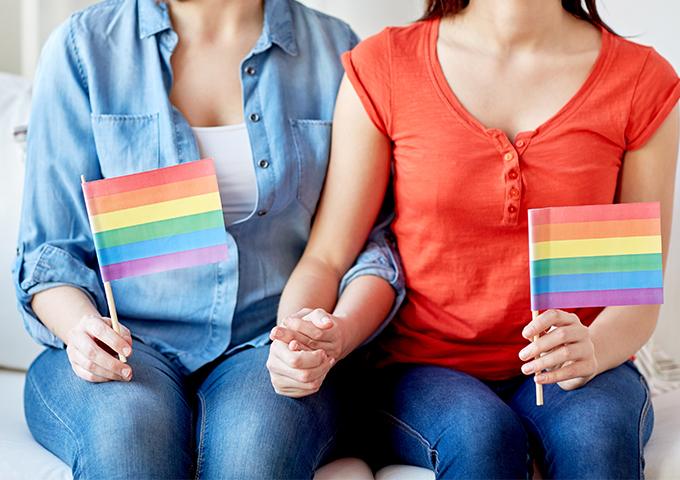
(114,315)
(539,387)
(111,303)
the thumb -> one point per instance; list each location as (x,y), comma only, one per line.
(322,321)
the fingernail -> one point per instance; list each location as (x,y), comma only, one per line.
(127,351)
(332,362)
(540,378)
(277,333)
(526,333)
(325,320)
(527,369)
(526,352)
(126,372)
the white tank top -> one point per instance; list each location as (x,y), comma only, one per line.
(229,147)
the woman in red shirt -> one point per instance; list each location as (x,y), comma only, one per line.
(482,110)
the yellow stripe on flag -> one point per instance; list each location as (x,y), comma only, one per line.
(155,212)
(593,247)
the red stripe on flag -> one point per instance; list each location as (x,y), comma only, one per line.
(159,176)
(594,213)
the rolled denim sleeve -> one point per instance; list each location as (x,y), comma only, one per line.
(380,258)
(55,245)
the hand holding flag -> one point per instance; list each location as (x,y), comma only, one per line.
(155,221)
(593,256)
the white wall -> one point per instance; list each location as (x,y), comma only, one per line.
(653,22)
(9,36)
(656,23)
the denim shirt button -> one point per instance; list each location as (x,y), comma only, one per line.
(262,213)
(250,70)
(254,117)
(263,164)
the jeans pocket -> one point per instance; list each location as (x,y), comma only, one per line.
(312,140)
(126,143)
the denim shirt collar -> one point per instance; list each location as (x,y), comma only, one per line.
(279,27)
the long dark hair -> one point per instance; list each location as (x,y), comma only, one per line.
(589,13)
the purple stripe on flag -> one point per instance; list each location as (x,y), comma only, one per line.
(597,298)
(162,263)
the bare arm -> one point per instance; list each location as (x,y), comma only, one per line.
(61,308)
(355,187)
(618,332)
(69,313)
(353,194)
(648,175)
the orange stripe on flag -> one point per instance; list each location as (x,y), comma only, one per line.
(155,194)
(152,178)
(583,230)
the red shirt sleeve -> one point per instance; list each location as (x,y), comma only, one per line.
(656,93)
(368,68)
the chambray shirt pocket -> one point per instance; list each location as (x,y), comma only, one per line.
(126,143)
(312,140)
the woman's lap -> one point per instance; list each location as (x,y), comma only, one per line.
(145,428)
(447,421)
(441,419)
(113,429)
(250,431)
(597,431)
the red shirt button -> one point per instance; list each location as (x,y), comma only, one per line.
(514,193)
(508,156)
(520,143)
(513,175)
(512,209)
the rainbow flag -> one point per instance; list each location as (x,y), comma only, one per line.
(155,221)
(595,256)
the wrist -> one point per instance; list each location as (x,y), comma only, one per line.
(342,322)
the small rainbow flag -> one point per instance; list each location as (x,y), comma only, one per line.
(595,256)
(155,221)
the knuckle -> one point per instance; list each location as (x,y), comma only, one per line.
(90,352)
(566,351)
(317,334)
(296,361)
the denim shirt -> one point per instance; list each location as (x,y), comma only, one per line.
(101,109)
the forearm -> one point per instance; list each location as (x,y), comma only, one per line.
(61,308)
(313,284)
(619,332)
(362,308)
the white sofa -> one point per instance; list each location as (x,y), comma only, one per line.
(21,457)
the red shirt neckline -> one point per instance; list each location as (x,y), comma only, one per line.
(447,94)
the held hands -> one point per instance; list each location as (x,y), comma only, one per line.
(304,349)
(90,347)
(566,351)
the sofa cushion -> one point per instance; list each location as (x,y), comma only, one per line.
(15,99)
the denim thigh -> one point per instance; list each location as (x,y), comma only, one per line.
(596,431)
(447,421)
(247,430)
(141,429)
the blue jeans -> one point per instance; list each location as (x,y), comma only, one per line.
(223,422)
(462,427)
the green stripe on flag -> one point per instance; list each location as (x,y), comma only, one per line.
(601,264)
(163,228)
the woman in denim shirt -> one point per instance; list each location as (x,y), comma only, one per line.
(119,88)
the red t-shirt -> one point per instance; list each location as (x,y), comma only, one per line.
(462,190)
